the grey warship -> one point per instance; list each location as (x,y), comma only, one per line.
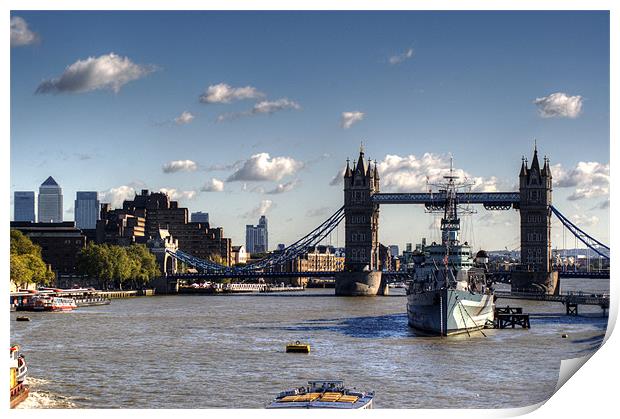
(449,294)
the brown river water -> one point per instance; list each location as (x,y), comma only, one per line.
(228,351)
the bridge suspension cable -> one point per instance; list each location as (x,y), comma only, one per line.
(289,253)
(593,244)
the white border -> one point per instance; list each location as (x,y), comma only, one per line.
(590,394)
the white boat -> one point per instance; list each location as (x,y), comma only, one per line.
(49,303)
(323,394)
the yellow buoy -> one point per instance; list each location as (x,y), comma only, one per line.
(298,347)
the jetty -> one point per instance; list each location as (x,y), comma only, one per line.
(571,300)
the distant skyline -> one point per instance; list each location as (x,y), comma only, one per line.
(241,114)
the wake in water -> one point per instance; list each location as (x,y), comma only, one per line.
(39,398)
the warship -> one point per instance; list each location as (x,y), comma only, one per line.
(449,293)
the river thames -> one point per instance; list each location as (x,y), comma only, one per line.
(228,351)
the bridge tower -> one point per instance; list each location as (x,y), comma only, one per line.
(535,188)
(361,276)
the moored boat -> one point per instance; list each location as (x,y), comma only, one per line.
(49,303)
(323,394)
(18,373)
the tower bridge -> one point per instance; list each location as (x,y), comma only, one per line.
(360,212)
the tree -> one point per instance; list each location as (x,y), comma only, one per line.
(145,264)
(123,267)
(27,266)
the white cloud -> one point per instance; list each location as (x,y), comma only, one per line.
(338,177)
(584,220)
(261,167)
(603,205)
(559,105)
(402,57)
(350,118)
(224,93)
(185,118)
(176,195)
(213,185)
(179,166)
(590,192)
(105,72)
(271,106)
(284,187)
(21,35)
(318,212)
(265,206)
(116,196)
(590,179)
(410,173)
(261,108)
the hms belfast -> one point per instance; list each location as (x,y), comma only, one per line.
(449,294)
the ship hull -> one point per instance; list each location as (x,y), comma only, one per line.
(19,394)
(358,283)
(447,312)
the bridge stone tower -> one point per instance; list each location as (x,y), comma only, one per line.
(361,275)
(535,187)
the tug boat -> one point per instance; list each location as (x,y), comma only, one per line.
(323,394)
(19,371)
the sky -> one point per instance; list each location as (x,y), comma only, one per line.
(240,114)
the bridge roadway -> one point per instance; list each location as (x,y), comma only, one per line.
(275,275)
(490,200)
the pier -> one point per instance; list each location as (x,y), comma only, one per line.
(570,300)
(237,288)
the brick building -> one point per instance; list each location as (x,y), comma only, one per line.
(60,243)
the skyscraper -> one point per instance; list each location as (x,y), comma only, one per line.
(257,237)
(86,210)
(200,217)
(23,206)
(50,202)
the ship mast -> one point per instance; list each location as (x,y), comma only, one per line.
(448,203)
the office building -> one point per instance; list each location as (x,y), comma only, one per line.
(86,210)
(151,212)
(200,217)
(23,206)
(60,243)
(50,202)
(257,237)
(394,250)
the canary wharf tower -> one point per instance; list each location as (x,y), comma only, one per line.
(50,202)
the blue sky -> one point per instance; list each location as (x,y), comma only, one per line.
(479,85)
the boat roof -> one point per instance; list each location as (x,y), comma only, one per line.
(326,381)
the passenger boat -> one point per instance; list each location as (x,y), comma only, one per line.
(449,293)
(323,394)
(18,373)
(49,303)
